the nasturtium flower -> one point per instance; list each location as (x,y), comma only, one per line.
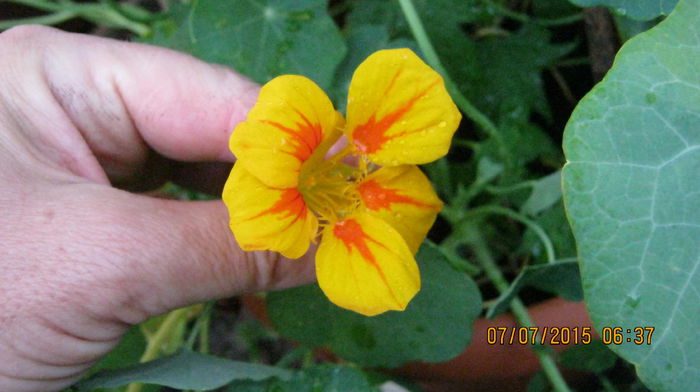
(285,191)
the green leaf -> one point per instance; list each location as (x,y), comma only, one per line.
(545,193)
(259,38)
(635,9)
(444,22)
(436,325)
(503,90)
(628,27)
(186,370)
(593,357)
(487,170)
(632,194)
(524,143)
(539,383)
(327,378)
(378,13)
(560,278)
(128,351)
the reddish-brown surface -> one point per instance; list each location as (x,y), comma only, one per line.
(483,367)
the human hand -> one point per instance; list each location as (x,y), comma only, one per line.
(81,260)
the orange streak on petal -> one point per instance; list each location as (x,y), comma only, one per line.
(315,137)
(377,197)
(371,136)
(290,203)
(351,233)
(307,136)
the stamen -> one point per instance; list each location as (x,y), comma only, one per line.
(328,187)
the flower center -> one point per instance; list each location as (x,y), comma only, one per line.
(328,188)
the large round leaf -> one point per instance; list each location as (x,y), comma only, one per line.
(436,325)
(259,38)
(632,192)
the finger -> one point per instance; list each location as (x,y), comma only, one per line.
(124,97)
(138,256)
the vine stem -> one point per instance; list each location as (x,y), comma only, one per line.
(39,4)
(67,9)
(47,20)
(498,210)
(201,329)
(484,257)
(154,345)
(432,58)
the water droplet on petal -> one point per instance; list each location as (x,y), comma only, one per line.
(442,124)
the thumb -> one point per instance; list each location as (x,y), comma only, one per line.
(124,257)
(179,253)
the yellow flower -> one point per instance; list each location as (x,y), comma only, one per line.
(373,215)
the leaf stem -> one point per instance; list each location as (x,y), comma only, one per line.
(532,225)
(484,257)
(159,338)
(98,13)
(502,190)
(450,249)
(432,58)
(46,20)
(39,4)
(201,329)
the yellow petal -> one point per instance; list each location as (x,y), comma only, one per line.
(265,218)
(364,265)
(399,111)
(289,122)
(403,197)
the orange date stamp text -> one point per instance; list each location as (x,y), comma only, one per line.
(538,335)
(554,336)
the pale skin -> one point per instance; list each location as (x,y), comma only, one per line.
(81,260)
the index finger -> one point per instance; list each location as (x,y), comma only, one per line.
(124,97)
